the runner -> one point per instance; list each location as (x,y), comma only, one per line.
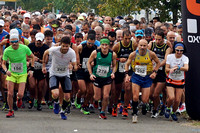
(59,72)
(102,73)
(123,49)
(84,82)
(161,49)
(141,62)
(17,72)
(36,79)
(176,66)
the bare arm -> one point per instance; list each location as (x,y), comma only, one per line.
(150,45)
(155,58)
(89,66)
(75,48)
(45,60)
(74,64)
(32,59)
(114,62)
(130,58)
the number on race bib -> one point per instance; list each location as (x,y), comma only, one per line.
(102,70)
(37,66)
(84,63)
(141,70)
(61,69)
(17,67)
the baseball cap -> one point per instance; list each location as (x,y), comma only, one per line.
(80,18)
(27,15)
(39,36)
(14,31)
(148,32)
(139,33)
(1,22)
(14,36)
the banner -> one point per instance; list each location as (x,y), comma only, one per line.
(191,37)
(9,0)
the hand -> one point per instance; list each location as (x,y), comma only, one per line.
(153,75)
(8,73)
(44,70)
(128,78)
(92,77)
(30,73)
(36,58)
(173,69)
(79,66)
(122,60)
(112,75)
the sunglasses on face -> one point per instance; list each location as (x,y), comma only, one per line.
(16,41)
(117,21)
(179,50)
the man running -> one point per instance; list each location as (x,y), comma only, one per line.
(102,73)
(17,72)
(59,72)
(143,73)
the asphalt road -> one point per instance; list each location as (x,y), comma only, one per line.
(45,121)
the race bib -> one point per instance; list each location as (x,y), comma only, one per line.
(160,68)
(17,67)
(60,69)
(37,66)
(122,67)
(176,74)
(141,70)
(84,63)
(102,70)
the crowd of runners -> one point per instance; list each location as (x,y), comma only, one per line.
(95,64)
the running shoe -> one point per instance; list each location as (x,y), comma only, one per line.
(129,106)
(174,117)
(50,105)
(155,114)
(30,106)
(182,108)
(19,103)
(10,114)
(167,113)
(102,116)
(134,118)
(43,102)
(144,109)
(39,107)
(68,109)
(100,105)
(91,108)
(120,109)
(162,110)
(35,103)
(125,112)
(85,110)
(63,116)
(78,106)
(56,108)
(5,107)
(114,111)
(118,105)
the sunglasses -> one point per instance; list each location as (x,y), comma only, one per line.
(90,43)
(16,41)
(179,50)
(139,33)
(117,21)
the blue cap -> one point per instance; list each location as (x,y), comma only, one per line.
(139,33)
(20,31)
(179,44)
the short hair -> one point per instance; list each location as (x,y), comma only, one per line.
(68,20)
(69,27)
(160,33)
(25,27)
(86,23)
(73,15)
(48,33)
(136,22)
(78,35)
(33,32)
(7,13)
(126,32)
(91,32)
(91,37)
(15,16)
(112,34)
(157,18)
(167,25)
(65,40)
(51,16)
(91,14)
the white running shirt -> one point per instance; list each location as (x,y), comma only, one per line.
(173,61)
(60,61)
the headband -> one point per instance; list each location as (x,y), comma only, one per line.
(105,41)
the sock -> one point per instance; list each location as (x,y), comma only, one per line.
(135,109)
(102,112)
(55,99)
(65,104)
